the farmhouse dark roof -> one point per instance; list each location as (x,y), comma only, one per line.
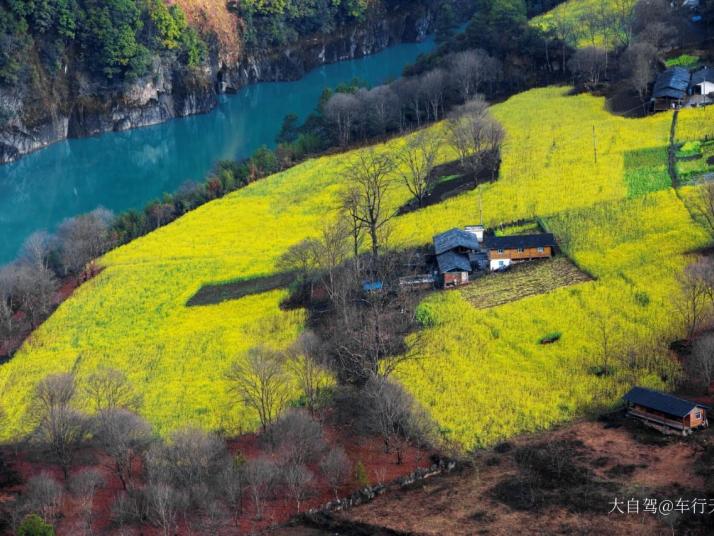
(453,239)
(453,262)
(671,405)
(519,241)
(704,74)
(672,83)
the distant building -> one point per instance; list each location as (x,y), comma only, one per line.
(666,412)
(670,89)
(702,82)
(454,268)
(454,250)
(506,250)
(476,230)
(457,240)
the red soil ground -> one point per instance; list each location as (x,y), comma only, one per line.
(380,466)
(462,504)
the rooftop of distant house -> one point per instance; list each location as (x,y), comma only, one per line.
(672,83)
(455,238)
(451,261)
(541,240)
(671,405)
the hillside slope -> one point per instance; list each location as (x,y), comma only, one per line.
(483,376)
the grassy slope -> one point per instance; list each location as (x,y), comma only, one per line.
(483,376)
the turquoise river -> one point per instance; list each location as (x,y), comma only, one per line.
(125,170)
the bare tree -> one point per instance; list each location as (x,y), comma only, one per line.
(191,461)
(350,211)
(261,383)
(371,180)
(605,337)
(299,481)
(59,428)
(693,302)
(7,286)
(84,486)
(412,92)
(470,69)
(433,85)
(303,362)
(301,259)
(36,250)
(34,290)
(109,389)
(232,486)
(336,468)
(84,238)
(588,65)
(382,104)
(701,362)
(124,436)
(418,160)
(331,254)
(638,63)
(164,502)
(342,111)
(703,205)
(298,437)
(473,133)
(43,494)
(261,475)
(393,415)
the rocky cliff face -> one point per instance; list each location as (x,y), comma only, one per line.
(43,111)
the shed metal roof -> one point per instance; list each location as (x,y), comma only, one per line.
(453,262)
(704,74)
(672,83)
(453,239)
(671,405)
(519,241)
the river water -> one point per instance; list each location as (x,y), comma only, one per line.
(123,170)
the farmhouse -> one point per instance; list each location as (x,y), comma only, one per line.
(666,412)
(670,89)
(506,250)
(457,252)
(701,89)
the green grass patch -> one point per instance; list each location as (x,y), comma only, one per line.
(685,60)
(646,171)
(530,227)
(690,168)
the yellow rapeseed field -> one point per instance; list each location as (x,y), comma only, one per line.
(483,376)
(581,22)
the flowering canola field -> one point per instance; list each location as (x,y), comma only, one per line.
(483,376)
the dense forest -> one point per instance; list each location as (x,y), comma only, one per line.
(113,38)
(118,39)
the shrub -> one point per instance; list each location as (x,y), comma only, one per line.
(361,475)
(33,525)
(690,149)
(549,338)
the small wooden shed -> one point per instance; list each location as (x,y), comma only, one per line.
(665,412)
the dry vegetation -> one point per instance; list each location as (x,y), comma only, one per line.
(212,17)
(523,280)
